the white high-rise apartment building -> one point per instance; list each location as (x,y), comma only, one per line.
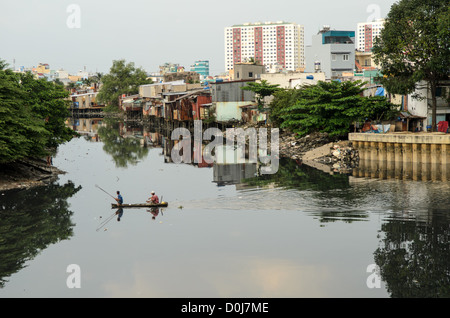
(273,44)
(366,34)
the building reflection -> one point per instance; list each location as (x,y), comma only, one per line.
(374,163)
(87,127)
(226,169)
(233,174)
(224,172)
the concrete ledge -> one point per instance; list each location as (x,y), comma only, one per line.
(319,152)
(317,165)
(402,137)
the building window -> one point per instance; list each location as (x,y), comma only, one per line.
(345,57)
(333,57)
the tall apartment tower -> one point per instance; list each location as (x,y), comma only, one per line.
(274,44)
(366,34)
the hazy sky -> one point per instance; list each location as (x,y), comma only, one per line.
(149,33)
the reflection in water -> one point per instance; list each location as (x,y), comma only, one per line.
(294,175)
(414,257)
(413,251)
(295,187)
(154,212)
(124,148)
(31,220)
(419,162)
(416,171)
(227,174)
(118,214)
(86,126)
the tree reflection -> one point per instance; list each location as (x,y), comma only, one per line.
(31,220)
(414,257)
(333,192)
(292,174)
(124,151)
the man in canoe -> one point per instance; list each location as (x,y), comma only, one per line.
(119,198)
(154,198)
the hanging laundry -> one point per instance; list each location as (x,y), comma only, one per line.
(443,126)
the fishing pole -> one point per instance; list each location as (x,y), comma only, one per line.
(105,192)
(105,221)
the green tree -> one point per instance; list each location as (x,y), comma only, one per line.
(72,85)
(332,107)
(281,99)
(32,116)
(59,82)
(48,101)
(123,78)
(414,47)
(20,131)
(261,89)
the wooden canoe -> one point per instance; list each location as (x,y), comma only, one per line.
(139,205)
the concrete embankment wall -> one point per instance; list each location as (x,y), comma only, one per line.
(410,138)
(417,156)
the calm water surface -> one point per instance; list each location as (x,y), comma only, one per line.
(225,233)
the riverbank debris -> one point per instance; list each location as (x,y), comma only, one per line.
(27,173)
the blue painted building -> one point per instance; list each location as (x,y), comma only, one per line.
(331,52)
(201,67)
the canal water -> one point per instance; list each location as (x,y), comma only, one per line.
(227,231)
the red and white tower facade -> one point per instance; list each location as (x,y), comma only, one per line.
(277,45)
(366,34)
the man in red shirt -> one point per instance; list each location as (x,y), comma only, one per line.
(154,198)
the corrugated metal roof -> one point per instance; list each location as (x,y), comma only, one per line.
(406,114)
(249,106)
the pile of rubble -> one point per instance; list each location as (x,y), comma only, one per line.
(342,156)
(294,147)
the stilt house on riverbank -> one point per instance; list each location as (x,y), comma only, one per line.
(181,102)
(84,103)
(173,101)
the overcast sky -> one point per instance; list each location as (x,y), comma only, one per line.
(91,34)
